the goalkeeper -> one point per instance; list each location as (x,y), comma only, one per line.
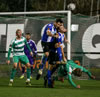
(72,68)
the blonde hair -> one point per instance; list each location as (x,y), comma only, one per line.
(18,30)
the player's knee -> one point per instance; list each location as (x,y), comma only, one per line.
(15,66)
(28,65)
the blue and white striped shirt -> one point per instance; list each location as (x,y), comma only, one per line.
(48,27)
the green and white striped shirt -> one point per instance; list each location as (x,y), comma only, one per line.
(18,47)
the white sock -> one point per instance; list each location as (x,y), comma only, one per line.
(28,80)
(11,80)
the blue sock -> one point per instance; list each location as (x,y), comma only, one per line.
(49,77)
(44,59)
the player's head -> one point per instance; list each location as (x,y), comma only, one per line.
(58,23)
(77,72)
(28,36)
(62,29)
(18,33)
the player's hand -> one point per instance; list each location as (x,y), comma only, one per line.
(57,45)
(78,86)
(56,35)
(31,54)
(8,62)
(66,41)
(93,77)
(64,59)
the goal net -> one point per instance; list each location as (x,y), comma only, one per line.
(33,23)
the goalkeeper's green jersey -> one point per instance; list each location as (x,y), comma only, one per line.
(18,47)
(70,66)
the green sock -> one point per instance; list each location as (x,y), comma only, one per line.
(28,73)
(13,72)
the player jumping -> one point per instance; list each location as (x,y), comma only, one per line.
(49,33)
(55,57)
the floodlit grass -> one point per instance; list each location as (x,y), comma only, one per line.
(89,88)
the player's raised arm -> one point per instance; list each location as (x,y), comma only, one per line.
(49,32)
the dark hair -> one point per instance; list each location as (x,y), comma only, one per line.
(59,20)
(77,72)
(28,33)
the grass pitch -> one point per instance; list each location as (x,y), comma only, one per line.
(89,88)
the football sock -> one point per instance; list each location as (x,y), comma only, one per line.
(13,72)
(49,77)
(44,59)
(28,73)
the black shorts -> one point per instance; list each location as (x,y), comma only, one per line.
(46,46)
(53,58)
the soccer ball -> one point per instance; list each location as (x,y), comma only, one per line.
(71,6)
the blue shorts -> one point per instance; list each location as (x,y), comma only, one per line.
(53,58)
(59,53)
(59,56)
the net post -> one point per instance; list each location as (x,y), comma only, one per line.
(69,36)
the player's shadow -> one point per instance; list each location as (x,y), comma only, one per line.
(23,86)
